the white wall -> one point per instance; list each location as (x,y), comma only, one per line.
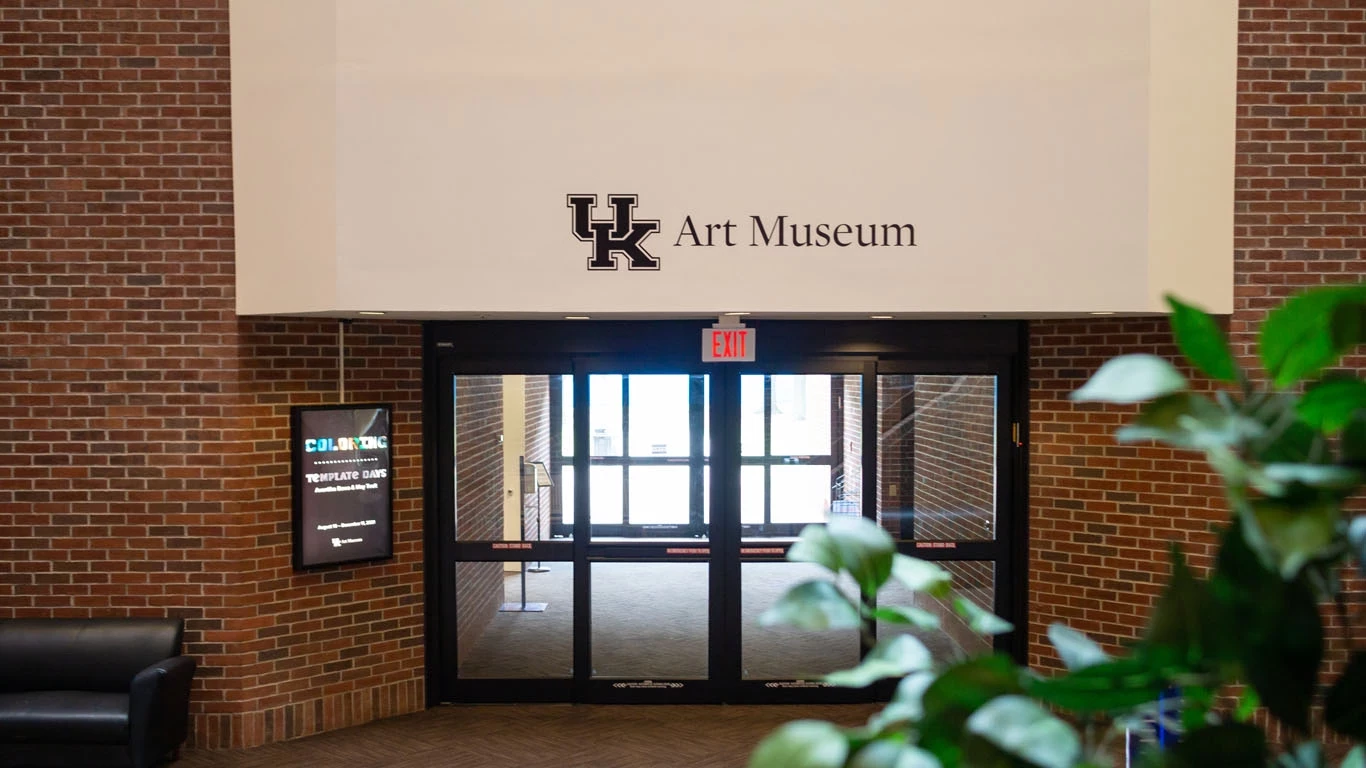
(1056,157)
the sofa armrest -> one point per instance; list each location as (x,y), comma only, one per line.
(159,709)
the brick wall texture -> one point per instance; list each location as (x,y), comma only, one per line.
(144,466)
(1102,514)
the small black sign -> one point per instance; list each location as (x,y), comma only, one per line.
(343,490)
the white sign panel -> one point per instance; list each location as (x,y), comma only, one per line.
(917,157)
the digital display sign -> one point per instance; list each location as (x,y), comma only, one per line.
(343,492)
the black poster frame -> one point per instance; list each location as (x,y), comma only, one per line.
(298,523)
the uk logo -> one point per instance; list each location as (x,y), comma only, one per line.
(620,235)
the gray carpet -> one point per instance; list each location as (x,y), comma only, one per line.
(649,620)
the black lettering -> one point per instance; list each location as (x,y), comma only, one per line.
(822,235)
(688,231)
(872,235)
(730,228)
(897,228)
(842,229)
(795,243)
(757,228)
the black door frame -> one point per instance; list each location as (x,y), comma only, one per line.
(556,347)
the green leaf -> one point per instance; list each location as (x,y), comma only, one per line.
(1354,442)
(979,619)
(1248,702)
(1324,476)
(813,605)
(1356,534)
(1306,754)
(1112,686)
(1131,379)
(1231,745)
(1202,341)
(1279,641)
(921,575)
(1295,534)
(1329,405)
(900,655)
(1020,727)
(889,754)
(863,549)
(1184,620)
(1294,445)
(1355,759)
(1299,338)
(958,692)
(906,705)
(1182,419)
(899,614)
(1345,706)
(802,744)
(814,545)
(1076,650)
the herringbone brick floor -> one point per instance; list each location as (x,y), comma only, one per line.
(538,736)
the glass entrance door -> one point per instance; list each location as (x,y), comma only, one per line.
(612,531)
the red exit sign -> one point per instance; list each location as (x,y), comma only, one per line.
(728,344)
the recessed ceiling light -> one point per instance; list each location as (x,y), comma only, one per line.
(576,317)
(364,312)
(1102,313)
(736,314)
(881,317)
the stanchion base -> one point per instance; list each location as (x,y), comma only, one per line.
(522,607)
(539,569)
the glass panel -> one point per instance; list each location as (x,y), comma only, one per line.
(501,424)
(706,495)
(752,415)
(659,415)
(650,620)
(937,457)
(801,493)
(953,640)
(801,415)
(659,495)
(605,495)
(567,416)
(604,415)
(752,489)
(787,653)
(513,643)
(567,494)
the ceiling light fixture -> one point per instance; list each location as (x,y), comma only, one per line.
(881,317)
(1102,313)
(577,317)
(367,312)
(736,314)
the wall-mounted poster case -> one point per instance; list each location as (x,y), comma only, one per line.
(342,477)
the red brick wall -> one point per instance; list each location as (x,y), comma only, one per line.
(538,449)
(145,426)
(478,501)
(955,458)
(849,392)
(896,449)
(1101,514)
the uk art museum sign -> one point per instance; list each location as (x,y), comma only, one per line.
(487,159)
(623,234)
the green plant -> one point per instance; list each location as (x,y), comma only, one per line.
(1289,452)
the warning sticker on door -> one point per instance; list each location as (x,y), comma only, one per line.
(646,684)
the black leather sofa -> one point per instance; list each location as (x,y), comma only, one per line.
(92,692)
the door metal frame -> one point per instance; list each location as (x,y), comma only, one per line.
(862,348)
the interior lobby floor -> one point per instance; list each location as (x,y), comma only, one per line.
(540,736)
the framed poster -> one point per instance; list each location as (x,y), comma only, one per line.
(343,483)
